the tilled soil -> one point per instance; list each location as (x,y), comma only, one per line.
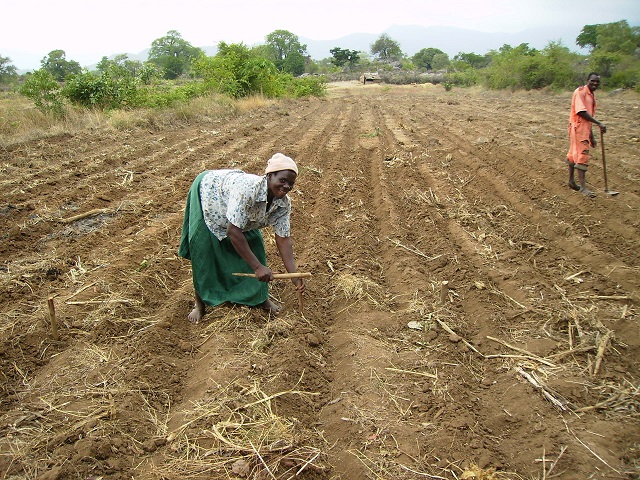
(468,315)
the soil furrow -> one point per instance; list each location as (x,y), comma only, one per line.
(400,189)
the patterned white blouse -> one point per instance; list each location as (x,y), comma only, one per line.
(239,198)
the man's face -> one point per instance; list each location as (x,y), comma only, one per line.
(593,83)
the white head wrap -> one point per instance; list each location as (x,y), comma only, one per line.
(280,162)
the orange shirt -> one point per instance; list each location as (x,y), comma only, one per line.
(583,100)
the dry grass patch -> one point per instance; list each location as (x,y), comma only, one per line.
(358,290)
(76,398)
(236,431)
(21,121)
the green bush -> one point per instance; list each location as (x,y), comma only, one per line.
(523,67)
(305,86)
(112,89)
(45,92)
(237,71)
(169,94)
(625,75)
(466,78)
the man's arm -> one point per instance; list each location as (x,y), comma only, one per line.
(588,117)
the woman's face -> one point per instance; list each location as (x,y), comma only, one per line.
(280,183)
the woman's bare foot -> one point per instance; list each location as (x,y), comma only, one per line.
(197,313)
(587,193)
(574,186)
(270,306)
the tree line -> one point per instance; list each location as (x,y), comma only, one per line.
(614,52)
(177,71)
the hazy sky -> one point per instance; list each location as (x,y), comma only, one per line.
(88,30)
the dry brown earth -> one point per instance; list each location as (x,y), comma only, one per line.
(401,189)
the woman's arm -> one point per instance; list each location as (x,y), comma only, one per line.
(285,247)
(241,245)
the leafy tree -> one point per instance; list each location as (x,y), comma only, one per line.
(312,67)
(626,74)
(604,62)
(509,64)
(473,59)
(561,62)
(294,63)
(57,65)
(588,37)
(528,68)
(263,51)
(238,71)
(386,48)
(120,62)
(424,57)
(618,37)
(44,90)
(148,73)
(173,55)
(615,37)
(8,71)
(440,61)
(286,51)
(614,52)
(523,50)
(343,56)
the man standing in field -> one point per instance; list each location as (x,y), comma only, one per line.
(583,110)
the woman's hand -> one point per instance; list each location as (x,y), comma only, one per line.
(264,274)
(299,284)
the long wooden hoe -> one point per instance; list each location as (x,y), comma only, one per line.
(604,168)
(282,276)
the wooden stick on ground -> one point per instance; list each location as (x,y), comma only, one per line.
(430,375)
(95,211)
(444,292)
(52,318)
(522,350)
(559,355)
(413,250)
(554,401)
(451,332)
(603,297)
(600,354)
(555,462)
(80,290)
(300,303)
(570,330)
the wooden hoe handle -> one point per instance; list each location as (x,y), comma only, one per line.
(276,275)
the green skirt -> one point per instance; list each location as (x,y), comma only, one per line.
(213,261)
